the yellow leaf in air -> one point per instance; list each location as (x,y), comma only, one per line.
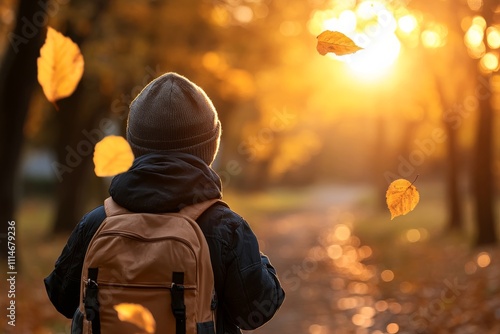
(60,66)
(137,315)
(335,42)
(402,197)
(112,156)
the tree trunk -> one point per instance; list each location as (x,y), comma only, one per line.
(18,79)
(454,199)
(483,169)
(453,195)
(483,175)
(80,119)
(74,150)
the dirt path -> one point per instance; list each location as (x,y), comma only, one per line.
(335,284)
(298,245)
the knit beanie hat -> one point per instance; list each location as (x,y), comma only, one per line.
(173,114)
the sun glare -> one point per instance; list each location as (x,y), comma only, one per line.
(372,26)
(407,23)
(376,58)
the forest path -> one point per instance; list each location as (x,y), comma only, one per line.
(336,284)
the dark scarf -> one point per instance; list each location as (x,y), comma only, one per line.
(165,182)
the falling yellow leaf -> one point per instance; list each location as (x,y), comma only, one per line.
(60,66)
(137,315)
(335,42)
(402,197)
(112,156)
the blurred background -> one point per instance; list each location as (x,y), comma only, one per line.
(304,135)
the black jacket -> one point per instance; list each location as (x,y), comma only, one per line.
(247,288)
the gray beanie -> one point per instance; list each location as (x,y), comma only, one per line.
(173,114)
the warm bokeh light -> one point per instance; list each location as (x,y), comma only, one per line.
(483,260)
(317,329)
(365,252)
(213,62)
(348,21)
(493,37)
(470,268)
(431,39)
(387,275)
(366,10)
(334,251)
(407,23)
(474,40)
(475,4)
(243,14)
(347,303)
(413,235)
(477,52)
(465,23)
(381,305)
(474,36)
(361,320)
(489,62)
(395,307)
(392,328)
(342,232)
(435,35)
(479,21)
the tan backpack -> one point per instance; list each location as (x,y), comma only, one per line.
(141,262)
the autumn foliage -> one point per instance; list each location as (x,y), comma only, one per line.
(402,197)
(112,155)
(335,42)
(60,66)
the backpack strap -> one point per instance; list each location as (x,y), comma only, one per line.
(194,211)
(112,208)
(91,302)
(177,290)
(178,306)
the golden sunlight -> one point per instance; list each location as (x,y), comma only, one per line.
(407,23)
(372,26)
(474,40)
(431,39)
(474,36)
(489,62)
(493,37)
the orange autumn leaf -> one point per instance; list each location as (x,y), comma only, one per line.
(137,315)
(60,66)
(335,42)
(402,197)
(112,156)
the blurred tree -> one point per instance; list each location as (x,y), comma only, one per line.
(483,176)
(451,100)
(18,80)
(78,113)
